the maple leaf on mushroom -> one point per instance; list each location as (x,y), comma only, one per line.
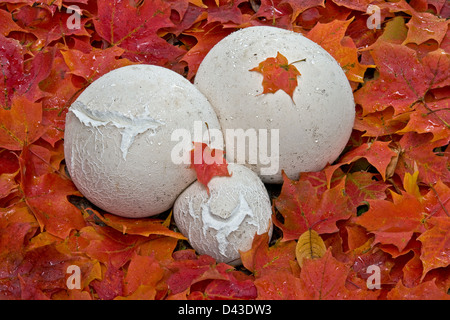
(222,218)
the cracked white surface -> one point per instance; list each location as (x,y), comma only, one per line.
(129,126)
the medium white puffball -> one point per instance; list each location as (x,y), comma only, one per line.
(224,222)
(313,127)
(118,139)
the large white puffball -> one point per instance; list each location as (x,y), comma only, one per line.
(224,222)
(118,139)
(314,126)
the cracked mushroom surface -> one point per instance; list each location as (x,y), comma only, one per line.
(314,124)
(224,222)
(118,144)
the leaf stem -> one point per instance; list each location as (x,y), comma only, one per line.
(304,59)
(440,202)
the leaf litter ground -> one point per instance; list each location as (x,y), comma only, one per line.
(383,203)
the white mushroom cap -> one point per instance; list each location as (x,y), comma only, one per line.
(314,126)
(226,221)
(118,144)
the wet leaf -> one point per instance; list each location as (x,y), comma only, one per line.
(208,163)
(303,209)
(278,74)
(309,246)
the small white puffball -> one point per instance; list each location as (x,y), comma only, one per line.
(118,139)
(224,222)
(313,126)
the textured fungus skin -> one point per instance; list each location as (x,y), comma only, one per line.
(314,126)
(118,139)
(224,222)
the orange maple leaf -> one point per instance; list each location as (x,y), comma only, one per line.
(208,163)
(278,74)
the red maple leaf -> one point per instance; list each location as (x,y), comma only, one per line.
(262,260)
(394,222)
(425,291)
(325,279)
(302,208)
(331,36)
(435,245)
(21,124)
(208,163)
(135,29)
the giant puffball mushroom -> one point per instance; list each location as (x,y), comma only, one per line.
(314,125)
(118,139)
(225,221)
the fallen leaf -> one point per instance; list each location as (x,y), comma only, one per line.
(309,246)
(188,269)
(92,65)
(208,163)
(225,12)
(207,37)
(331,37)
(418,150)
(21,124)
(107,245)
(437,201)
(45,192)
(8,24)
(378,154)
(278,74)
(360,5)
(424,291)
(299,6)
(230,289)
(303,209)
(275,287)
(393,222)
(403,78)
(111,285)
(135,30)
(144,227)
(424,26)
(325,278)
(362,186)
(142,271)
(432,117)
(47,199)
(11,65)
(48,24)
(262,259)
(435,245)
(8,184)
